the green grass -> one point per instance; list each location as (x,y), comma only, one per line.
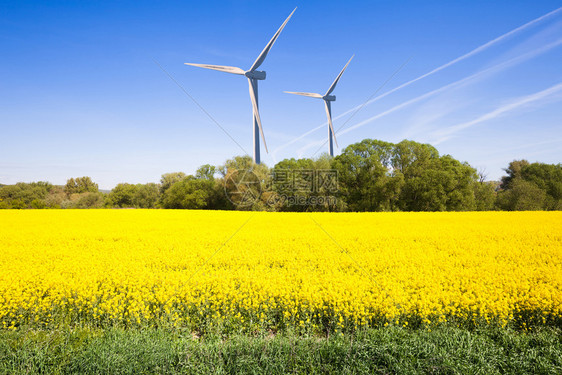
(388,350)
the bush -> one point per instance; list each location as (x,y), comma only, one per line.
(18,204)
(38,204)
(90,200)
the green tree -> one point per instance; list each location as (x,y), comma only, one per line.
(56,197)
(243,183)
(409,176)
(123,195)
(522,196)
(18,204)
(536,186)
(214,187)
(189,193)
(89,200)
(485,195)
(438,184)
(146,196)
(206,172)
(293,185)
(303,185)
(80,185)
(168,179)
(547,177)
(38,204)
(366,180)
(21,195)
(203,190)
(513,172)
(410,158)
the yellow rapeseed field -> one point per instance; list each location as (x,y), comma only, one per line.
(248,271)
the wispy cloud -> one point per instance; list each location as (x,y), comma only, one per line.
(464,81)
(445,134)
(284,145)
(473,52)
(479,49)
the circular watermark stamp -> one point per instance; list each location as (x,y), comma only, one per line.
(243,188)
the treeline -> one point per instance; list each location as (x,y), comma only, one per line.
(371,175)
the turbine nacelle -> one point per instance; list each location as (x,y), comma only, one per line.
(253,76)
(256,74)
(327,105)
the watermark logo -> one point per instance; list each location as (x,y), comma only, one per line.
(243,188)
(320,181)
(287,187)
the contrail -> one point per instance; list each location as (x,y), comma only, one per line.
(491,70)
(452,62)
(447,133)
(304,135)
(474,51)
(494,69)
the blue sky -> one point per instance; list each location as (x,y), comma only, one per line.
(80,93)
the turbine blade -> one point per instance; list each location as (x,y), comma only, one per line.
(310,94)
(221,68)
(338,77)
(265,51)
(329,115)
(257,112)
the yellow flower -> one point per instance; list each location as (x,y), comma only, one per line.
(148,267)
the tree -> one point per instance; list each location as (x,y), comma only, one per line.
(206,172)
(482,174)
(38,204)
(123,195)
(460,186)
(21,195)
(146,196)
(366,180)
(190,193)
(18,204)
(409,176)
(168,179)
(410,158)
(522,196)
(80,185)
(200,191)
(442,184)
(547,177)
(243,183)
(485,195)
(89,200)
(214,187)
(56,197)
(292,185)
(303,185)
(536,186)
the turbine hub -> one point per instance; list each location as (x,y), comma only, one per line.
(330,98)
(256,74)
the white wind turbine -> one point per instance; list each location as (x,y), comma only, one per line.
(253,76)
(327,99)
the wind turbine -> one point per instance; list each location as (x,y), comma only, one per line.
(327,103)
(253,76)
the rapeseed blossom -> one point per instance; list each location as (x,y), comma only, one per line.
(306,271)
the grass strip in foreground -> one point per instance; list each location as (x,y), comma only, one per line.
(445,350)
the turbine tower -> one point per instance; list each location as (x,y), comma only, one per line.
(253,76)
(327,103)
